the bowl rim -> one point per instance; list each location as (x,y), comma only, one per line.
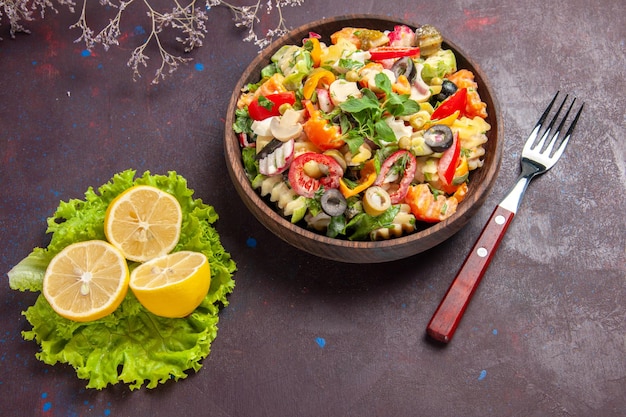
(453,223)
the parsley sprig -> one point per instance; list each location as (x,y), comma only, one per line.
(363,118)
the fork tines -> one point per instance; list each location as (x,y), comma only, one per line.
(547,145)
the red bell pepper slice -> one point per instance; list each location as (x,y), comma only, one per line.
(305,185)
(405,162)
(456,101)
(449,161)
(381,53)
(270,105)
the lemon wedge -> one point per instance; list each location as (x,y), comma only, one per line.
(86,280)
(143,222)
(172,285)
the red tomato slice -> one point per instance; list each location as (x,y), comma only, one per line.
(408,172)
(305,185)
(387,52)
(259,111)
(449,161)
(456,101)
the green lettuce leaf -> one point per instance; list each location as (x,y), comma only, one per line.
(27,275)
(438,65)
(130,345)
(295,63)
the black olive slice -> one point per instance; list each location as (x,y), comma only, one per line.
(447,89)
(438,138)
(404,66)
(269,148)
(333,202)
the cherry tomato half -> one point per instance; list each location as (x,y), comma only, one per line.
(405,165)
(304,184)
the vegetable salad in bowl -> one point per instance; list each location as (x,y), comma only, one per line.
(363,136)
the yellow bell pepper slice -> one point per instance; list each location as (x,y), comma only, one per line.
(461,192)
(316,52)
(402,85)
(427,106)
(448,121)
(368,176)
(462,171)
(319,76)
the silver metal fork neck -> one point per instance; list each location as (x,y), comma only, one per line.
(512,200)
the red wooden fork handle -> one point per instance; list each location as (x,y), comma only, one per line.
(444,322)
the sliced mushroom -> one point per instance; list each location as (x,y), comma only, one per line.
(287,126)
(341,90)
(370,78)
(262,127)
(399,128)
(291,116)
(420,91)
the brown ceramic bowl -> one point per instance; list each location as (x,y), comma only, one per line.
(481,180)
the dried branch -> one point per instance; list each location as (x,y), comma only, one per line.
(188,20)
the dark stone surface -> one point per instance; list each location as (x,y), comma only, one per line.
(544,334)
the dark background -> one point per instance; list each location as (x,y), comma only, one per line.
(544,334)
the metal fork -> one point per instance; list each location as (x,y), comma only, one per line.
(537,158)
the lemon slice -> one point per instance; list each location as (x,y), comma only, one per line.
(172,285)
(86,280)
(143,222)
